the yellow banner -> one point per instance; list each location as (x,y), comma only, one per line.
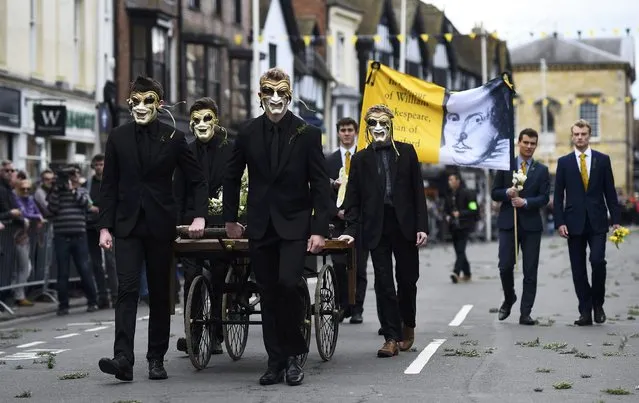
(472,128)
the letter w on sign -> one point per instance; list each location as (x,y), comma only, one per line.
(49,120)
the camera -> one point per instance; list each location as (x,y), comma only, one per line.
(63,175)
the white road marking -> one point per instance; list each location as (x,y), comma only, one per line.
(90,323)
(1,352)
(32,354)
(144,317)
(178,310)
(422,359)
(95,329)
(35,343)
(66,336)
(461,315)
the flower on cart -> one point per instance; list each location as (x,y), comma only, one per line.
(618,235)
(519,178)
(216,203)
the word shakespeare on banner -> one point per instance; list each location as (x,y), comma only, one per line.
(471,128)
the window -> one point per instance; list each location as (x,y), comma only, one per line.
(217,7)
(194,5)
(238,11)
(151,55)
(240,74)
(340,111)
(339,55)
(414,69)
(202,73)
(272,55)
(590,112)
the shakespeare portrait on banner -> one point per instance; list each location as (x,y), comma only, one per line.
(472,128)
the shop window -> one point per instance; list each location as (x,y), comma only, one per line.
(150,53)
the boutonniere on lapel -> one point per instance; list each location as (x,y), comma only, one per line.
(298,132)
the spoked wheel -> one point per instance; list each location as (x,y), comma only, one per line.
(236,333)
(306,324)
(326,312)
(198,325)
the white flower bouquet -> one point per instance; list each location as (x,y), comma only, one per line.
(519,178)
(216,203)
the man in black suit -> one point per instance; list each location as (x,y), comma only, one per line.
(528,203)
(584,195)
(212,150)
(461,212)
(137,207)
(347,132)
(385,194)
(289,193)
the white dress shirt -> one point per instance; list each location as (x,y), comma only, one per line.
(343,150)
(588,153)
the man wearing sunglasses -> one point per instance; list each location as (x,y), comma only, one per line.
(385,195)
(9,211)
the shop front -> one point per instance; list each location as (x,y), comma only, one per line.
(9,120)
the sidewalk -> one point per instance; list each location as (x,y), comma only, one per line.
(39,308)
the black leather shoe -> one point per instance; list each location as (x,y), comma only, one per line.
(294,372)
(584,321)
(181,345)
(356,319)
(119,367)
(272,376)
(600,315)
(156,369)
(504,310)
(527,320)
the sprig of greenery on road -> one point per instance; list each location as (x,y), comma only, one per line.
(533,343)
(73,375)
(617,391)
(562,385)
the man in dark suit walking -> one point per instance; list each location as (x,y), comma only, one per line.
(137,207)
(584,195)
(212,151)
(347,132)
(528,203)
(385,195)
(287,216)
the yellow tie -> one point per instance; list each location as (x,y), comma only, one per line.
(523,167)
(584,170)
(347,163)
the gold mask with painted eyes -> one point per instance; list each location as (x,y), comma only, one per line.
(144,106)
(203,123)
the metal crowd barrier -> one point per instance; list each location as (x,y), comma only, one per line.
(42,263)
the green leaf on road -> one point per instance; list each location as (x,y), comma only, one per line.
(24,395)
(73,375)
(555,346)
(533,343)
(583,355)
(562,385)
(617,391)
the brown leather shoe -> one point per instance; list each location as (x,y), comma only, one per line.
(408,338)
(389,349)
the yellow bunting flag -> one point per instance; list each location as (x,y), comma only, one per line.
(238,39)
(424,37)
(449,37)
(472,128)
(307,40)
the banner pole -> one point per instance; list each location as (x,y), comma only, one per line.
(402,43)
(255,14)
(487,199)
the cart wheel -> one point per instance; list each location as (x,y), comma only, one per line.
(197,322)
(306,325)
(326,313)
(236,334)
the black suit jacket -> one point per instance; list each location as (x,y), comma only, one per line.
(129,184)
(183,191)
(333,166)
(286,196)
(364,200)
(536,191)
(467,216)
(582,203)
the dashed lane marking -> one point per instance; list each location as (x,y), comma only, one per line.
(66,336)
(144,317)
(34,343)
(461,315)
(95,329)
(32,354)
(422,359)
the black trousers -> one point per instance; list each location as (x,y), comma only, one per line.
(395,308)
(588,295)
(216,273)
(460,240)
(102,274)
(131,252)
(529,242)
(278,265)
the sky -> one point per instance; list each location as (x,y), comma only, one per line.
(514,20)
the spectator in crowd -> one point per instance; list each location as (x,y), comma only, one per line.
(69,203)
(9,212)
(31,216)
(93,237)
(43,190)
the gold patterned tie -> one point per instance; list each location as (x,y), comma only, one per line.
(523,167)
(584,170)
(347,163)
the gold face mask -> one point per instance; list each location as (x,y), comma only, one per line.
(203,124)
(275,95)
(144,106)
(378,125)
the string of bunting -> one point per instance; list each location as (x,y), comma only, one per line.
(576,100)
(330,40)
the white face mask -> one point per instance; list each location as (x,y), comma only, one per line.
(378,125)
(144,106)
(203,124)
(275,97)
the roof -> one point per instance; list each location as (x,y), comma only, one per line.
(347,4)
(557,50)
(306,25)
(289,20)
(373,11)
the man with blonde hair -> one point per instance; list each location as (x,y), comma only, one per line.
(585,182)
